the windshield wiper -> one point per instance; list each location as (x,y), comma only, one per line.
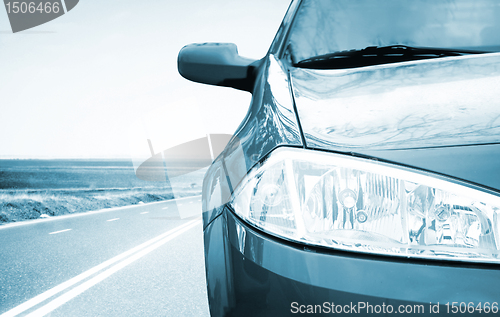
(373,55)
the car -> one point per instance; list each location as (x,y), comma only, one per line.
(365,177)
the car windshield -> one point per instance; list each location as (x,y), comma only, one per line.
(323,27)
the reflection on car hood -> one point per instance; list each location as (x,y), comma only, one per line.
(437,115)
(431,103)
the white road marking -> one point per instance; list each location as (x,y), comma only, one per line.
(190,202)
(55,232)
(145,212)
(165,208)
(145,247)
(113,219)
(184,198)
(64,298)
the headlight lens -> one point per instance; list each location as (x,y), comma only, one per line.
(363,205)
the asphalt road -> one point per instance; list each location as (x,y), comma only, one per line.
(140,260)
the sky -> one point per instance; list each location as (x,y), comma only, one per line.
(100,80)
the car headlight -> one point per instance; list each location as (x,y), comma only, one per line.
(363,205)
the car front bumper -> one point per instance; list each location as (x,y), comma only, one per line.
(250,273)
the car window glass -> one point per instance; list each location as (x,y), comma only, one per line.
(326,26)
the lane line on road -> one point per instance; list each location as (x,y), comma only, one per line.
(64,298)
(113,219)
(144,212)
(56,232)
(61,287)
(165,208)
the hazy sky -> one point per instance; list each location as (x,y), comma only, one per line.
(100,80)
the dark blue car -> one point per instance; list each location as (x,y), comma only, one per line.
(365,177)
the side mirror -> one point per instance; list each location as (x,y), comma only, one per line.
(217,64)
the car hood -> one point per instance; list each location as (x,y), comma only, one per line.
(441,115)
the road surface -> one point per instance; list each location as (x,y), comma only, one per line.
(141,260)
